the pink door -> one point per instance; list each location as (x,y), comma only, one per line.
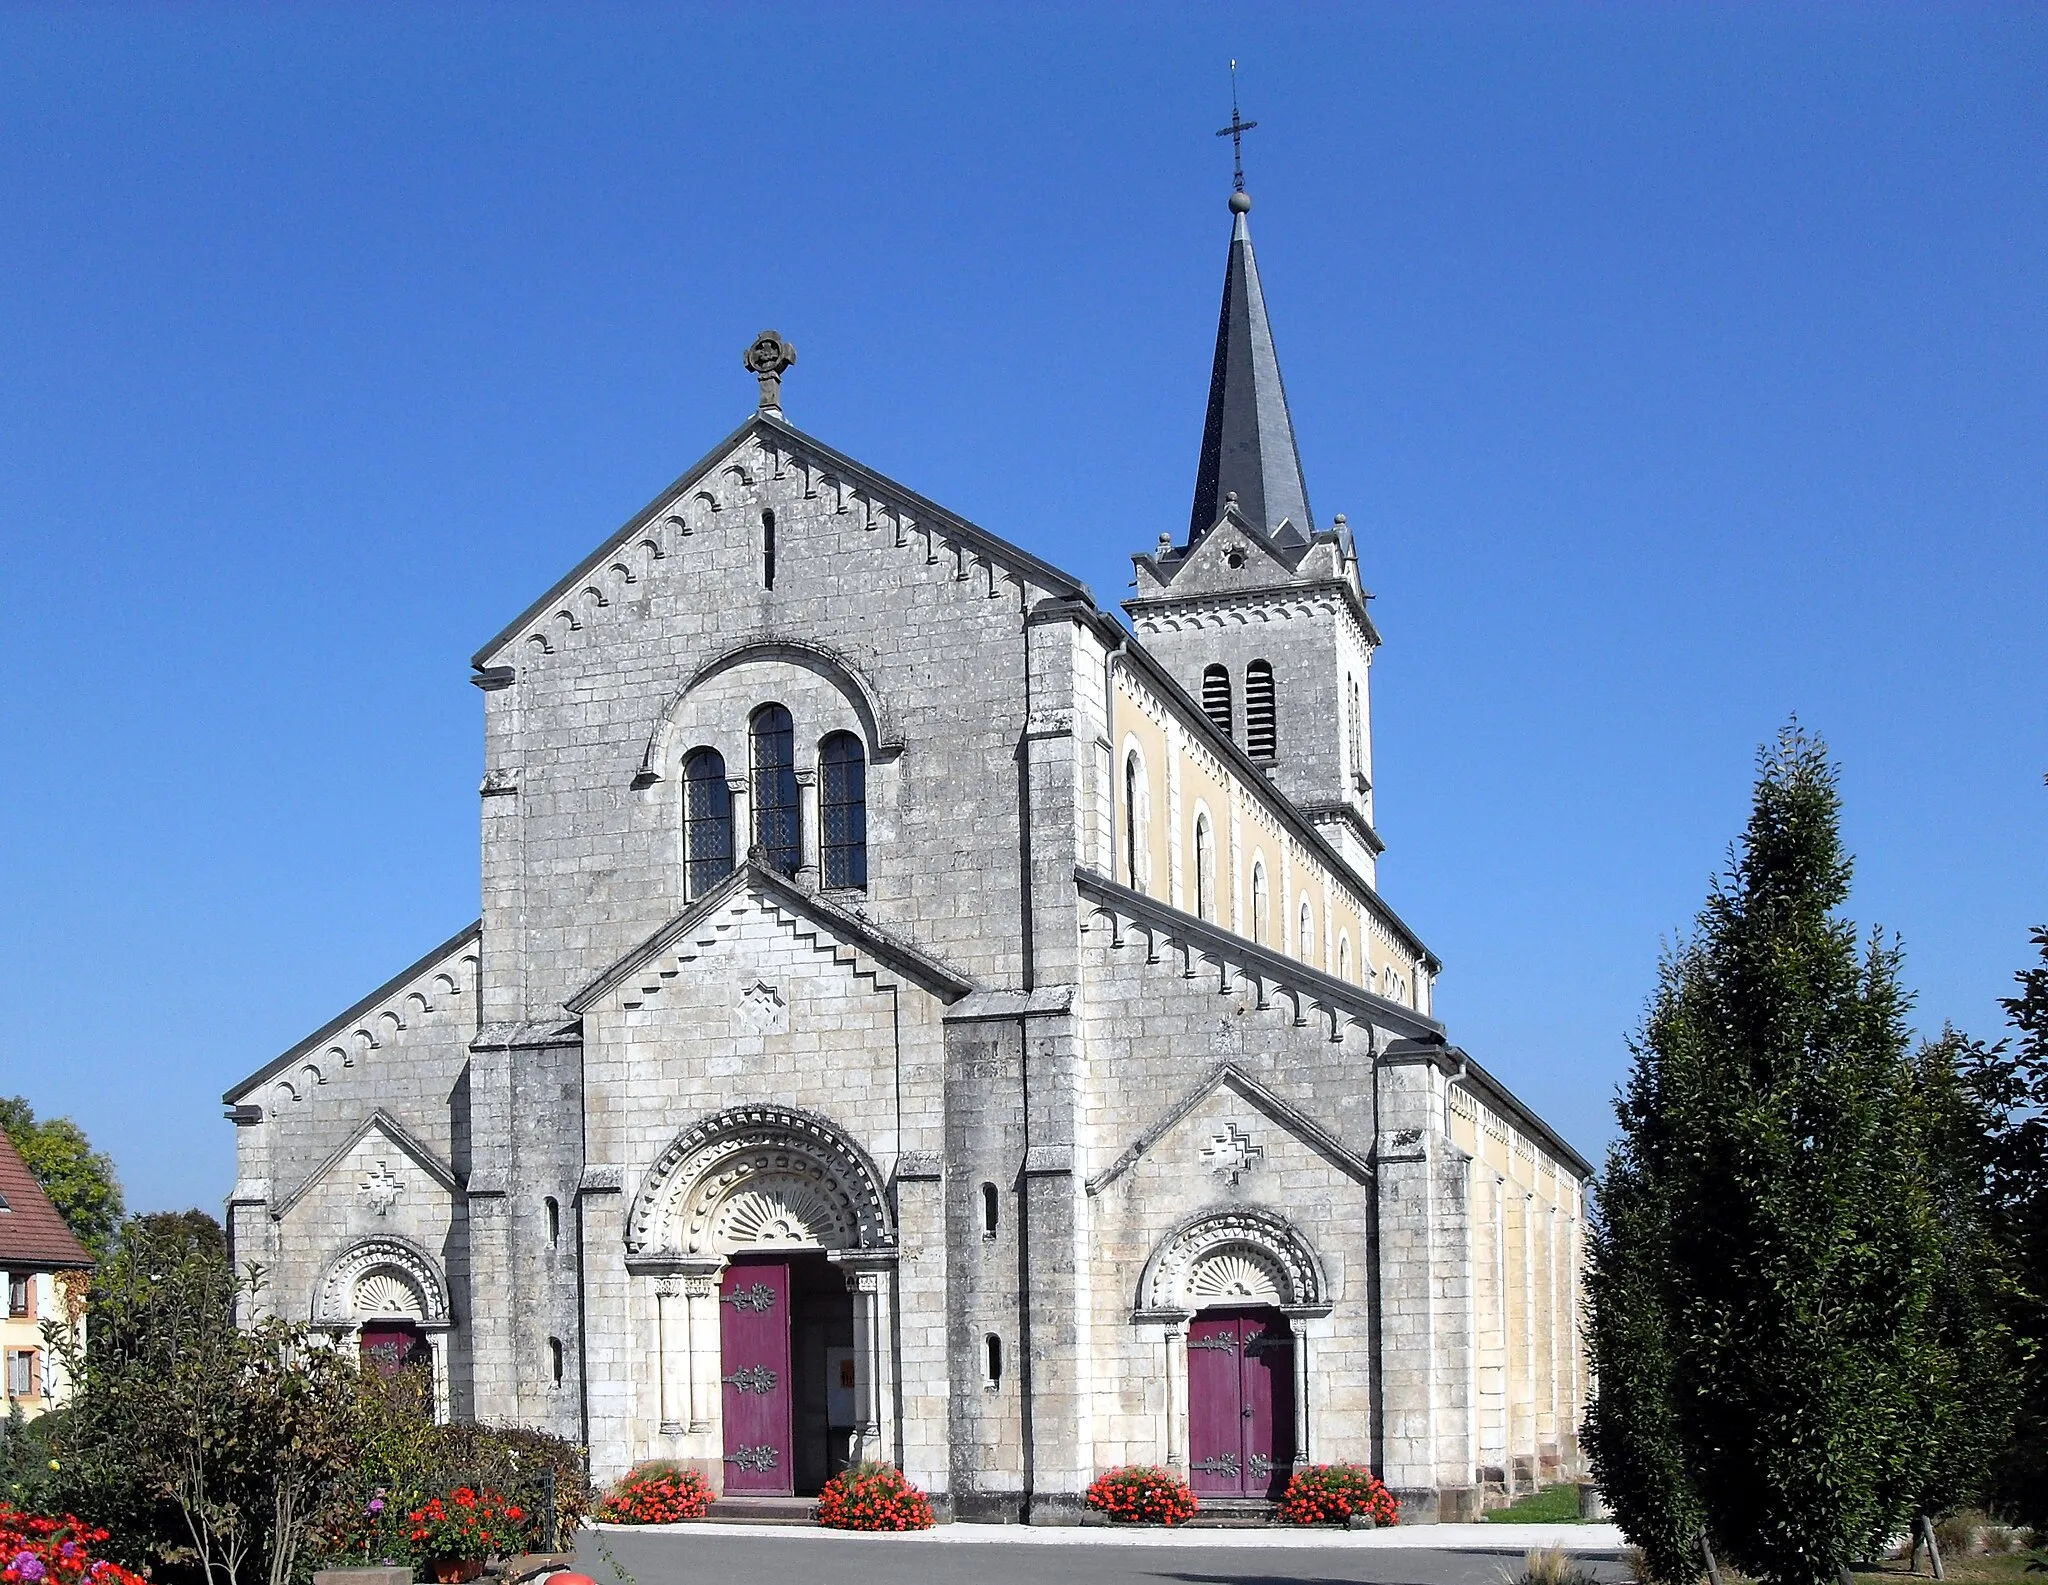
(753,1311)
(1240,1404)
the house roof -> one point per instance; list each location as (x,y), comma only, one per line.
(32,1234)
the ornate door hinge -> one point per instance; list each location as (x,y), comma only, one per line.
(755,1378)
(759,1297)
(756,1458)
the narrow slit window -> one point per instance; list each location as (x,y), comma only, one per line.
(778,821)
(843,810)
(1261,731)
(1261,906)
(993,1371)
(1205,868)
(554,1210)
(1307,943)
(767,550)
(1216,698)
(1357,731)
(991,1209)
(555,1360)
(707,819)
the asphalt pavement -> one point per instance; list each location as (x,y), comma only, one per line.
(714,1555)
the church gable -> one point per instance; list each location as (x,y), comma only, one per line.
(1228,1126)
(382,1182)
(765,469)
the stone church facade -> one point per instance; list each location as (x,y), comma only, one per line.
(915,1015)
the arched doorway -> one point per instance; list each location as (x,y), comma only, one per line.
(773,1218)
(1240,1280)
(390,1293)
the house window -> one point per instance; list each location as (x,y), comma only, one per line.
(1261,733)
(707,819)
(21,1296)
(1216,698)
(843,809)
(1137,821)
(1261,907)
(991,1206)
(778,823)
(1205,868)
(22,1375)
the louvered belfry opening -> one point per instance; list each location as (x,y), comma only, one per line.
(1216,698)
(1261,732)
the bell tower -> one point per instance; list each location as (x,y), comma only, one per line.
(1259,614)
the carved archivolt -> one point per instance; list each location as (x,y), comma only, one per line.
(382,1279)
(1237,1255)
(759,1177)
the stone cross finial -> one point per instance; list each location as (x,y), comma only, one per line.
(766,358)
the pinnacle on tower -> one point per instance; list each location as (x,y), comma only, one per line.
(1248,443)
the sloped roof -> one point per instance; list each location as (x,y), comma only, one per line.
(32,1235)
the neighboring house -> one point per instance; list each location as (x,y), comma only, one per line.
(917,1016)
(44,1269)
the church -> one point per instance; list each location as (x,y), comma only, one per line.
(973,1039)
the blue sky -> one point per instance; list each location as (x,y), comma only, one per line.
(1679,368)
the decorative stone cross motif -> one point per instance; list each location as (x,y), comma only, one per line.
(1231,1154)
(762,1008)
(382,1188)
(765,360)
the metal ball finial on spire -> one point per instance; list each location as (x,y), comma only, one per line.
(1240,200)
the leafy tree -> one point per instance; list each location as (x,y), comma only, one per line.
(2014,1080)
(1775,1363)
(79,1180)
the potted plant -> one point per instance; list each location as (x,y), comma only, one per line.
(455,1535)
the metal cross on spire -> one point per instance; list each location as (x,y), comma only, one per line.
(1236,130)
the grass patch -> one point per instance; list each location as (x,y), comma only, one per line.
(1551,1505)
(2011,1569)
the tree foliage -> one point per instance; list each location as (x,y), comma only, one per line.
(79,1180)
(1789,1326)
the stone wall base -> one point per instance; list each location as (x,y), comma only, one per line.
(1061,1508)
(1441,1504)
(988,1507)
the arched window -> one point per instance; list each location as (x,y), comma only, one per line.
(1205,867)
(554,1210)
(1261,908)
(707,819)
(991,1209)
(843,810)
(1261,734)
(1307,941)
(555,1360)
(1216,698)
(767,550)
(1137,822)
(778,822)
(1343,957)
(993,1379)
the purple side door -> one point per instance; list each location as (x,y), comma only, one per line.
(1240,1405)
(753,1332)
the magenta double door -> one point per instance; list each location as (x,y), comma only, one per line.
(753,1336)
(1240,1403)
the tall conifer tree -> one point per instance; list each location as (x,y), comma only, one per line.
(1763,1268)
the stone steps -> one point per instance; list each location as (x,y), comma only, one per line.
(762,1510)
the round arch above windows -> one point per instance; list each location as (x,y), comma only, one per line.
(381,1279)
(1230,1256)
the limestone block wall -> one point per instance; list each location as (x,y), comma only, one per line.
(880,614)
(758,1006)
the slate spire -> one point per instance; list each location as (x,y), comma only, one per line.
(1248,440)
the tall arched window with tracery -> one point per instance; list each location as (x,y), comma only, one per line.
(843,810)
(707,819)
(1261,904)
(1137,823)
(778,818)
(1216,697)
(1261,729)
(1205,867)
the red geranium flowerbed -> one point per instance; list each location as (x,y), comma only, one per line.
(39,1551)
(873,1497)
(1333,1493)
(1141,1494)
(656,1493)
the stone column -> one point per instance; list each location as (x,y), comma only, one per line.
(700,1332)
(807,829)
(672,1348)
(1173,1431)
(870,1275)
(742,817)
